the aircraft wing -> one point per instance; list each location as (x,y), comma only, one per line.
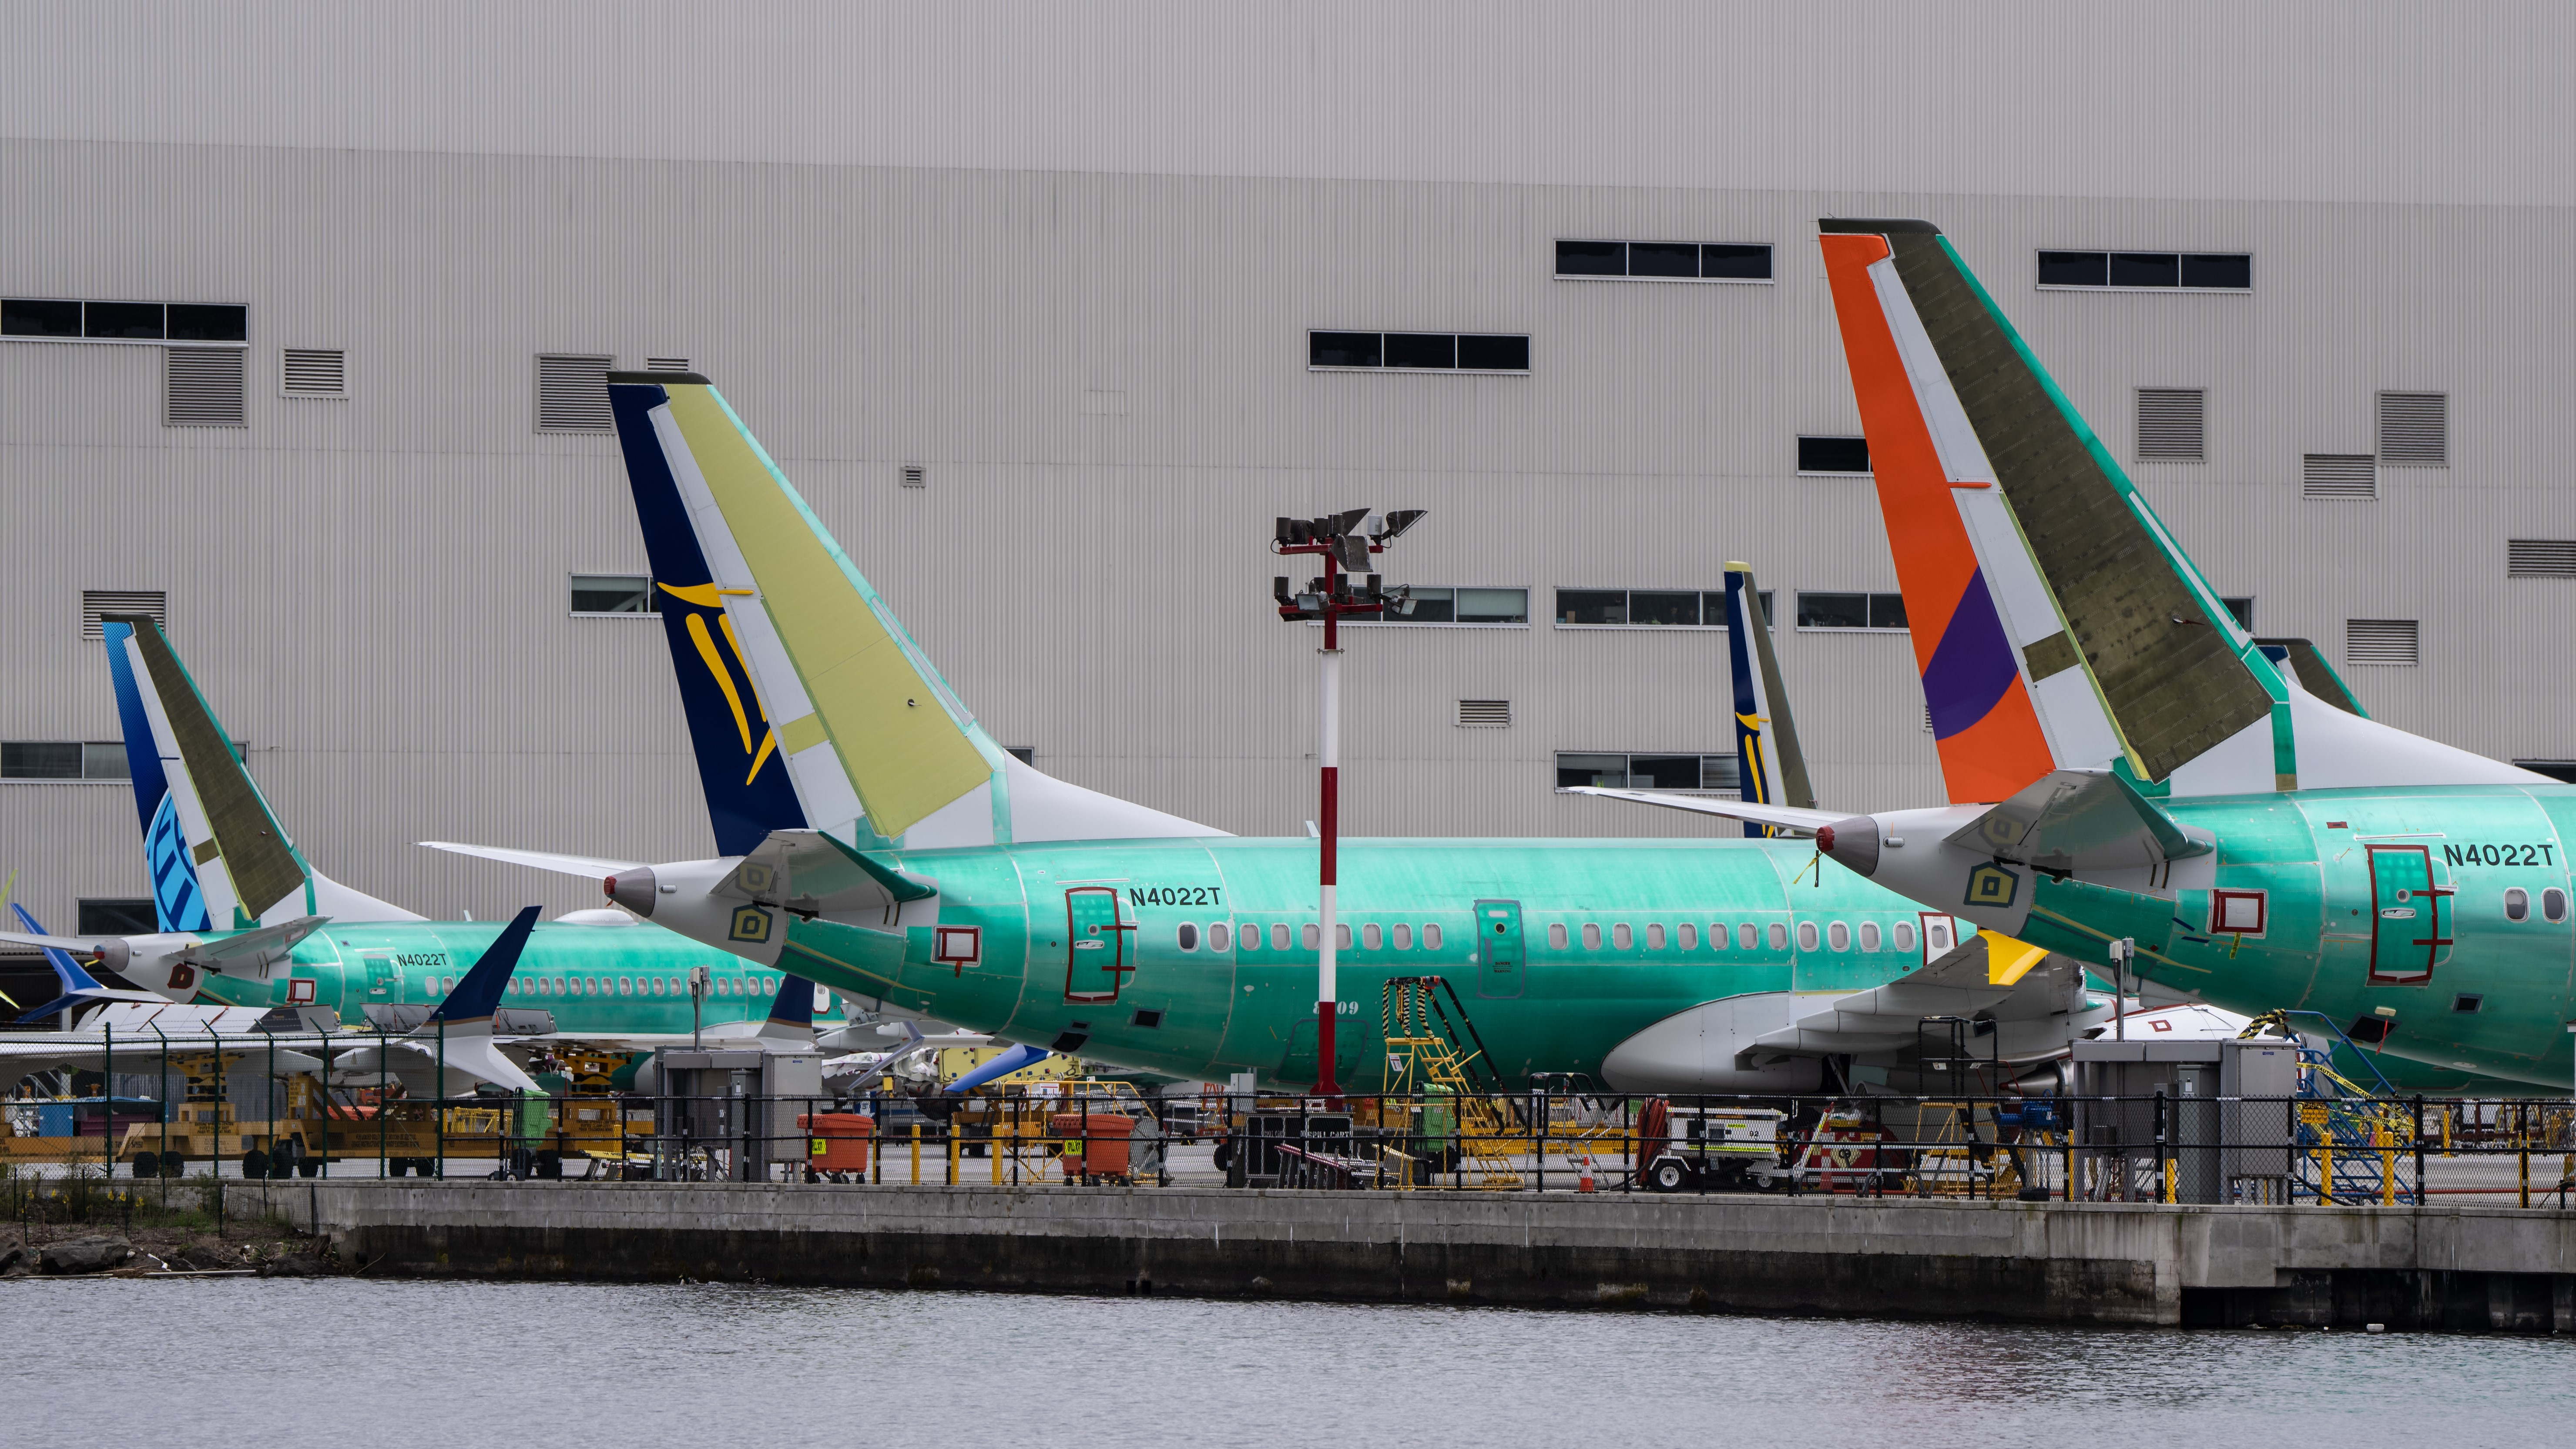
(1787,817)
(2078,820)
(592,866)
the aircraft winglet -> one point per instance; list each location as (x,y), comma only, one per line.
(479,994)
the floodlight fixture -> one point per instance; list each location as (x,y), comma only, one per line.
(1398,521)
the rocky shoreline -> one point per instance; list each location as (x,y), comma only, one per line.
(81,1250)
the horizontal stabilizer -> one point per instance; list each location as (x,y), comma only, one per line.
(2078,820)
(1788,817)
(2035,1001)
(251,950)
(814,870)
(592,866)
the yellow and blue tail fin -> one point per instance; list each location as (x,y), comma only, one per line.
(1771,769)
(875,745)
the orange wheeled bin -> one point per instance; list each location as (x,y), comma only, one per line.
(1095,1146)
(837,1141)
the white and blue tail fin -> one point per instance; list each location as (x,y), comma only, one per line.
(2057,623)
(218,858)
(1771,769)
(878,748)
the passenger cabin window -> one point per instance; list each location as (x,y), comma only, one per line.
(2553,904)
(1839,935)
(1779,936)
(2517,904)
(1371,936)
(1621,938)
(1189,936)
(1938,933)
(1430,938)
(1310,936)
(1220,937)
(1689,936)
(1869,935)
(1341,937)
(1278,935)
(1904,936)
(1556,935)
(1654,938)
(1403,937)
(1806,935)
(1252,938)
(1747,936)
(1591,937)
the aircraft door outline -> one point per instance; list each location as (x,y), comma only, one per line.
(1095,944)
(2410,915)
(1502,965)
(382,979)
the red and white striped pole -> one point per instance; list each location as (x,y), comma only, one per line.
(1329,751)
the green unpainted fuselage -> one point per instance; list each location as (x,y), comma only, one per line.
(596,980)
(2349,927)
(1555,997)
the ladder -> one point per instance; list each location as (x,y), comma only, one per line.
(1424,1050)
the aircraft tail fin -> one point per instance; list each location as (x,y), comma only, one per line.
(217,857)
(1772,769)
(875,744)
(2056,622)
(739,766)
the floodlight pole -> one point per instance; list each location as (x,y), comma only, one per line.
(1337,539)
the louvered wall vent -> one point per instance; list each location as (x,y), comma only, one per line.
(2339,475)
(915,476)
(1484,714)
(572,393)
(2540,558)
(2414,430)
(666,364)
(96,603)
(201,387)
(2171,424)
(2379,641)
(313,372)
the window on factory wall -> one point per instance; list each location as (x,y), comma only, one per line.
(1648,772)
(1646,608)
(63,760)
(1419,351)
(63,319)
(613,594)
(1833,457)
(117,916)
(1664,261)
(2242,610)
(1882,612)
(2148,271)
(1458,604)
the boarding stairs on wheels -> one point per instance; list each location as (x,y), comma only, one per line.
(1429,1050)
(2353,1144)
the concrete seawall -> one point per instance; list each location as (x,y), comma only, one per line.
(2464,1268)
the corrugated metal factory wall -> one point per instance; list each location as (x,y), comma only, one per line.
(1102,365)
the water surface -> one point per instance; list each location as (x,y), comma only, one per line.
(216,1362)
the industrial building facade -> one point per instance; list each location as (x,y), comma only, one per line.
(1050,310)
